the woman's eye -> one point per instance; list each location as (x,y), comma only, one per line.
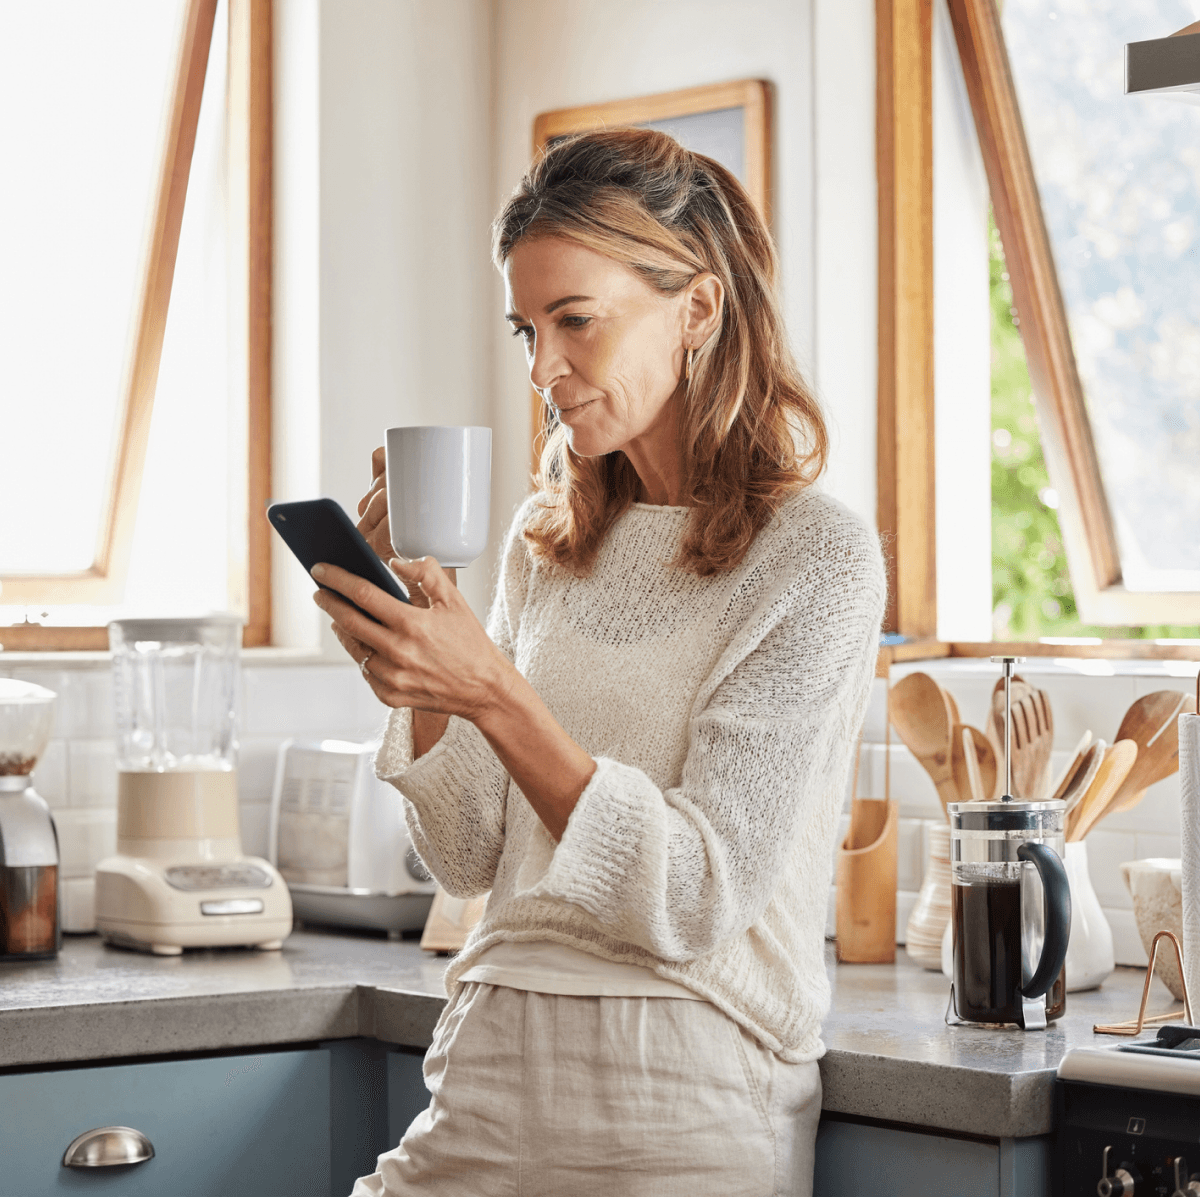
(523,331)
(575,321)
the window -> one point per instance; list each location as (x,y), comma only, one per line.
(136,322)
(1095,201)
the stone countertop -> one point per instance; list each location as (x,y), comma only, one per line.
(890,1056)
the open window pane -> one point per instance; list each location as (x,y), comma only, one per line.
(1119,179)
(84,87)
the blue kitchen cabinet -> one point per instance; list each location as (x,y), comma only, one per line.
(230,1125)
(406,1091)
(862,1158)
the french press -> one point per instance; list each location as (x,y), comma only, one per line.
(1010,904)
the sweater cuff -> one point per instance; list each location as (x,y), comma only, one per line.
(394,758)
(608,843)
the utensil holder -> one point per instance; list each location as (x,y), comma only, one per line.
(930,915)
(1090,959)
(866,884)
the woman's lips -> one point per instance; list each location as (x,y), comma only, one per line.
(562,412)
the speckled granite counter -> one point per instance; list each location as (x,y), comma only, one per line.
(890,1055)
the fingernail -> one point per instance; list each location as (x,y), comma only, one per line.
(318,571)
(404,562)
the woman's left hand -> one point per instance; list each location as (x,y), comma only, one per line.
(434,659)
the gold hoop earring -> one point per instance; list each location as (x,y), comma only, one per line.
(687,366)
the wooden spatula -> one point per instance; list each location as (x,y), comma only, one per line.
(921,717)
(1153,723)
(972,763)
(1118,760)
(1060,784)
(1074,789)
(1032,736)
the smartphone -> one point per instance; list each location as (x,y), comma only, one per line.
(321,531)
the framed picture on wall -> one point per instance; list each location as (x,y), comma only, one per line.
(730,122)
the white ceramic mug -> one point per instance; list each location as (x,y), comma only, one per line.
(439,483)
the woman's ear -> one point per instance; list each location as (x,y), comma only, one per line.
(704,303)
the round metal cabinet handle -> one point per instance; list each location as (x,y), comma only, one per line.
(108,1146)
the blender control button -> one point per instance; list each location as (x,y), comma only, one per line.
(203,877)
(227,908)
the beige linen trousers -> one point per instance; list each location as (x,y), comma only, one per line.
(544,1095)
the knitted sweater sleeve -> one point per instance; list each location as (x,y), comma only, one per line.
(455,794)
(679,871)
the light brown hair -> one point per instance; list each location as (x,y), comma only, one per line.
(751,430)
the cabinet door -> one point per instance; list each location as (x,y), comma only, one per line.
(234,1125)
(407,1093)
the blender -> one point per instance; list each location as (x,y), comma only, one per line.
(30,925)
(179,877)
(1010,905)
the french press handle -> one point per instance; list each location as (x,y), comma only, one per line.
(1058,916)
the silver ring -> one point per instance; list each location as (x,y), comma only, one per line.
(362,666)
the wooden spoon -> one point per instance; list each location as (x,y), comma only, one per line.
(1074,789)
(921,716)
(1118,761)
(1073,762)
(952,705)
(972,762)
(1153,723)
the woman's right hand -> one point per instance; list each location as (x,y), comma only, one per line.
(375,527)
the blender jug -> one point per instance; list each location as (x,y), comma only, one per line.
(176,687)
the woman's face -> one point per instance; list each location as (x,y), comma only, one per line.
(602,344)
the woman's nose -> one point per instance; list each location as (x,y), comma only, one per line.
(547,366)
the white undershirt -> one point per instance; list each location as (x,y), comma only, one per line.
(562,970)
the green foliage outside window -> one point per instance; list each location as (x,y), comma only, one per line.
(1031,588)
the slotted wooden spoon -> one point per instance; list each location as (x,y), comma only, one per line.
(921,716)
(1153,723)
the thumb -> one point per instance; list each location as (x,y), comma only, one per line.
(427,574)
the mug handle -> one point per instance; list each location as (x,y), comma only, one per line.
(1058,916)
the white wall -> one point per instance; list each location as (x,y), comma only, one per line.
(846,243)
(384,106)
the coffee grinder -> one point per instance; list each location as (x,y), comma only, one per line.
(179,877)
(1010,904)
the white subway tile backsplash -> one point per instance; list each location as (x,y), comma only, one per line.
(254,820)
(92,766)
(309,701)
(905,902)
(85,836)
(910,847)
(78,898)
(1106,851)
(257,757)
(1158,845)
(1127,943)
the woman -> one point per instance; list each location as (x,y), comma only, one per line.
(644,755)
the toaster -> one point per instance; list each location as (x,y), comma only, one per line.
(338,838)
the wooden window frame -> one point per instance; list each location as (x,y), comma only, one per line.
(906,512)
(250,193)
(753,96)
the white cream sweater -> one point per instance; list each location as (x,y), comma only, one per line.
(722,714)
